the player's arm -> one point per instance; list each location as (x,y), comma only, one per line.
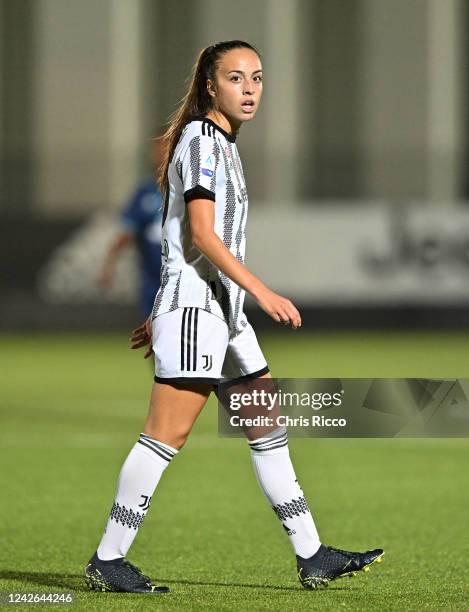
(202,222)
(122,240)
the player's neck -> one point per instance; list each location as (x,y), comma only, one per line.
(229,126)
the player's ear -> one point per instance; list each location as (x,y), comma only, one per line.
(211,88)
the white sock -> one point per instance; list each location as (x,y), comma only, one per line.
(137,482)
(276,476)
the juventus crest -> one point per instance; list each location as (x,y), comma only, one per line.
(207,365)
(146,502)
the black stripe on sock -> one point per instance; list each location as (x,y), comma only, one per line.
(270,438)
(150,439)
(263,448)
(158,449)
(194,365)
(154,450)
(158,446)
(278,445)
(267,446)
(183,325)
(269,441)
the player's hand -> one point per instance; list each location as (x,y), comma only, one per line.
(106,276)
(281,309)
(142,336)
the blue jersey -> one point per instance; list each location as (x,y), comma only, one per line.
(142,216)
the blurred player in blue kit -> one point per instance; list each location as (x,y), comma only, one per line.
(140,225)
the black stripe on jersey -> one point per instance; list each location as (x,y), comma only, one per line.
(213,180)
(194,160)
(207,292)
(188,340)
(213,287)
(194,357)
(159,296)
(198,193)
(213,126)
(183,325)
(175,301)
(207,129)
(165,208)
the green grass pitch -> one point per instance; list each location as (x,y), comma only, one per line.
(73,405)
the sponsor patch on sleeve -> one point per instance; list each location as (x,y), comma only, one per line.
(208,165)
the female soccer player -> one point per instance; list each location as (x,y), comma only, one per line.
(198,330)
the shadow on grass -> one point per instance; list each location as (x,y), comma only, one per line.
(70,582)
(275,587)
(75,582)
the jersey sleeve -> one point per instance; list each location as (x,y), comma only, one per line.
(199,166)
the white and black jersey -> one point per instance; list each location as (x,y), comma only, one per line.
(205,164)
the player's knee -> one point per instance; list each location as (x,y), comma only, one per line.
(178,441)
(174,439)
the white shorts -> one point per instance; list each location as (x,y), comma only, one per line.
(191,343)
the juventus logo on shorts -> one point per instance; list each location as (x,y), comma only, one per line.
(189,338)
(146,502)
(207,362)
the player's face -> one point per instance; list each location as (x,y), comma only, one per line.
(238,85)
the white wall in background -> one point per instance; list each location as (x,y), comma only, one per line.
(369,254)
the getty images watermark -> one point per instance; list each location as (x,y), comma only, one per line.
(270,400)
(338,407)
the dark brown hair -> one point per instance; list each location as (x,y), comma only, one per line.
(197,102)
